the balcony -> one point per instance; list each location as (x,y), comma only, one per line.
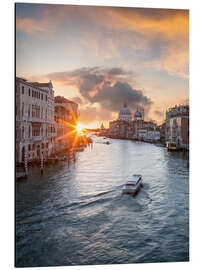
(36,119)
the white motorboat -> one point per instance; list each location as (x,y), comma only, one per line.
(133,185)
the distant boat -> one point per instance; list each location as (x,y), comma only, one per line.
(20,175)
(133,185)
(172,146)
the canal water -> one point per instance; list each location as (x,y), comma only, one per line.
(77,215)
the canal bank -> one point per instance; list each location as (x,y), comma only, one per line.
(65,154)
(77,214)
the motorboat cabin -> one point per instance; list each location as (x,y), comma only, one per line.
(133,185)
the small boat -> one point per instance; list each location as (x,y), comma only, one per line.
(21,175)
(172,146)
(133,185)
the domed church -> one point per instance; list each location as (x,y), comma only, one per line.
(139,114)
(125,114)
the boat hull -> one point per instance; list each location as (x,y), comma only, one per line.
(132,191)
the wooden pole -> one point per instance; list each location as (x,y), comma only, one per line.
(41,164)
(25,164)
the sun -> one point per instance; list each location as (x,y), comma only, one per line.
(79,127)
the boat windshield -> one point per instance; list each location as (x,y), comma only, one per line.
(130,185)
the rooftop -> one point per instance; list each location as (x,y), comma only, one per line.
(61,99)
(49,84)
(31,84)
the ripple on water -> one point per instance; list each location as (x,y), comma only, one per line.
(77,214)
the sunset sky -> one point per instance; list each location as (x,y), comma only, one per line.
(101,57)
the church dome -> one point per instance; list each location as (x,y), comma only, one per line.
(137,114)
(125,114)
(125,111)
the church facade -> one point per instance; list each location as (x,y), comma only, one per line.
(129,126)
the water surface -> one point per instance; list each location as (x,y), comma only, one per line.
(77,214)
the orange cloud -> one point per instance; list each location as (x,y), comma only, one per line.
(173,61)
(170,27)
(29,25)
(46,24)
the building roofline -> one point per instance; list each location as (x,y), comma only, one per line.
(30,84)
(65,100)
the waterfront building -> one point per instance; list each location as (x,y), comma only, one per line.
(119,129)
(113,128)
(126,128)
(149,125)
(103,131)
(136,125)
(177,126)
(66,117)
(162,130)
(153,136)
(102,127)
(35,126)
(141,134)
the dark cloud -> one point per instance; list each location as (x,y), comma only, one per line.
(113,97)
(88,83)
(77,100)
(117,71)
(109,87)
(93,74)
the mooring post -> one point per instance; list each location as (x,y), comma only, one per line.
(74,156)
(25,164)
(41,164)
(69,156)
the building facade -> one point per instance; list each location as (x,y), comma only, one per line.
(35,125)
(125,114)
(66,117)
(127,128)
(103,131)
(177,126)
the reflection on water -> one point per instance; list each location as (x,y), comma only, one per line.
(77,214)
